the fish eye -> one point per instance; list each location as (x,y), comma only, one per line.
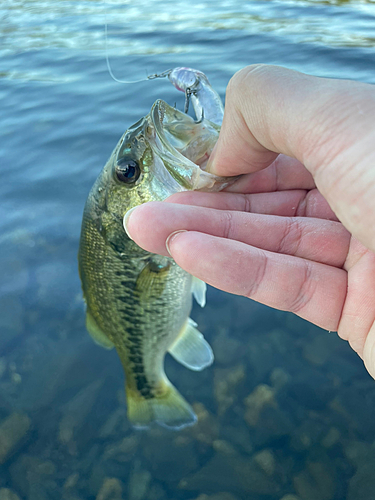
(127,171)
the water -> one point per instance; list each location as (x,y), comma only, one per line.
(307,428)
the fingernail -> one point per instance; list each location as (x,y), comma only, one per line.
(171,237)
(125,221)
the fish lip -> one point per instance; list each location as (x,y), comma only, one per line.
(187,173)
(157,117)
(181,168)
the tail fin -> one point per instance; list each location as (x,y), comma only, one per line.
(169,410)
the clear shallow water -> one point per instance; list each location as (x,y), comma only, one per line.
(307,429)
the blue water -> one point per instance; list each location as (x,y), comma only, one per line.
(61,395)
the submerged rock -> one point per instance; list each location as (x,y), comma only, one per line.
(111,489)
(206,430)
(362,484)
(219,496)
(262,396)
(122,451)
(7,494)
(238,436)
(156,492)
(316,481)
(75,413)
(266,461)
(279,378)
(221,446)
(226,381)
(308,434)
(138,483)
(71,481)
(12,431)
(359,453)
(117,422)
(331,438)
(362,456)
(170,460)
(318,350)
(227,350)
(34,478)
(11,319)
(231,473)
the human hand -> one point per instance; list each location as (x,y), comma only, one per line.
(276,236)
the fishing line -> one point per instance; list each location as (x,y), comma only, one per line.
(149,77)
(109,66)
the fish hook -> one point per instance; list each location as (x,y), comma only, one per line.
(188,93)
(201,118)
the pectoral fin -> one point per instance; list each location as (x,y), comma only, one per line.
(98,336)
(191,349)
(198,289)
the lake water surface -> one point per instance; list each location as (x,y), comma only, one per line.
(287,408)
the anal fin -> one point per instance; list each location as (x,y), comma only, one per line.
(98,336)
(191,349)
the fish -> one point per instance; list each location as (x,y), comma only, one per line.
(137,302)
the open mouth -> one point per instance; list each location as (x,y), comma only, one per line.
(185,145)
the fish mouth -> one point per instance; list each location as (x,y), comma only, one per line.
(184,146)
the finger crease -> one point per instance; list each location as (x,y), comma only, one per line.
(259,276)
(228,223)
(247,203)
(302,206)
(276,173)
(292,237)
(306,290)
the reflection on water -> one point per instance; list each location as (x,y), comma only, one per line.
(286,411)
(37,24)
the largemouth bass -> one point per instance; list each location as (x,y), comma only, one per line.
(136,301)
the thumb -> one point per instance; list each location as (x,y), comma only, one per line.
(326,124)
